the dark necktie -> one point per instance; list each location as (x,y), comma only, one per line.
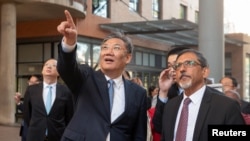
(111,93)
(182,126)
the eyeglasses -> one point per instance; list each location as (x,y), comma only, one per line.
(186,64)
(115,48)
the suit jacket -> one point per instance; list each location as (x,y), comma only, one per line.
(214,109)
(245,107)
(35,115)
(23,128)
(92,121)
(157,118)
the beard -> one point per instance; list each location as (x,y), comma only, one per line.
(185,85)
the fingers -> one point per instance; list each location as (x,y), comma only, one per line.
(68,29)
(167,73)
(69,19)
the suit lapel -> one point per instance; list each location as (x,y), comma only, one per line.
(204,107)
(58,94)
(103,89)
(40,99)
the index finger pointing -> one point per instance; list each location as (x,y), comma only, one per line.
(69,18)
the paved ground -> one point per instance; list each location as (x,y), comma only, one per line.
(9,133)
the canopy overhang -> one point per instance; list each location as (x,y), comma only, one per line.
(175,32)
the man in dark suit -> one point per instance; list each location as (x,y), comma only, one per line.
(230,83)
(207,104)
(95,119)
(46,116)
(32,80)
(168,89)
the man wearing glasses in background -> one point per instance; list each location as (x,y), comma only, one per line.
(206,105)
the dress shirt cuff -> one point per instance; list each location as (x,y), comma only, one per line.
(164,100)
(67,48)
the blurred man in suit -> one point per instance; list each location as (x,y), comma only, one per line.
(109,107)
(167,89)
(207,105)
(48,106)
(32,80)
(230,83)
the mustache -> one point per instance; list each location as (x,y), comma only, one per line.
(184,75)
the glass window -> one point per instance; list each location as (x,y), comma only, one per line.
(145,59)
(138,58)
(163,62)
(152,60)
(196,17)
(96,55)
(100,8)
(55,49)
(183,11)
(30,52)
(83,53)
(133,5)
(155,8)
(247,78)
(228,64)
(29,68)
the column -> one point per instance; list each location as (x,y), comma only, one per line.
(7,63)
(211,35)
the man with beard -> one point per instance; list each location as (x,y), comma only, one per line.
(206,105)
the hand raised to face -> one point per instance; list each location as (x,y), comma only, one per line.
(68,29)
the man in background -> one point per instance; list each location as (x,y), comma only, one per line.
(230,83)
(32,80)
(207,105)
(48,106)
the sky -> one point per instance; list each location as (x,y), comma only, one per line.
(237,16)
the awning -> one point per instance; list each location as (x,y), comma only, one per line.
(175,32)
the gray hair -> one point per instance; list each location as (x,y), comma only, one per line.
(202,60)
(124,38)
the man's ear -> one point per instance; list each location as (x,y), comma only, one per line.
(206,72)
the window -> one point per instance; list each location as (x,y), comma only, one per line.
(138,58)
(247,78)
(196,20)
(152,60)
(100,8)
(133,5)
(183,11)
(145,59)
(228,64)
(155,8)
(83,53)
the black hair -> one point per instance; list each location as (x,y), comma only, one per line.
(150,90)
(234,81)
(176,50)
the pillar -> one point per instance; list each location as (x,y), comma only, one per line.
(211,35)
(7,63)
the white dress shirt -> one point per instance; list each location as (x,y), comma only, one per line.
(193,109)
(118,101)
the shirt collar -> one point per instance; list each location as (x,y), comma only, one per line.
(118,81)
(45,85)
(196,97)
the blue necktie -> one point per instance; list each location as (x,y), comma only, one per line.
(49,99)
(111,93)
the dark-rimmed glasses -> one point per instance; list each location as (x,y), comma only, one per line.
(186,64)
